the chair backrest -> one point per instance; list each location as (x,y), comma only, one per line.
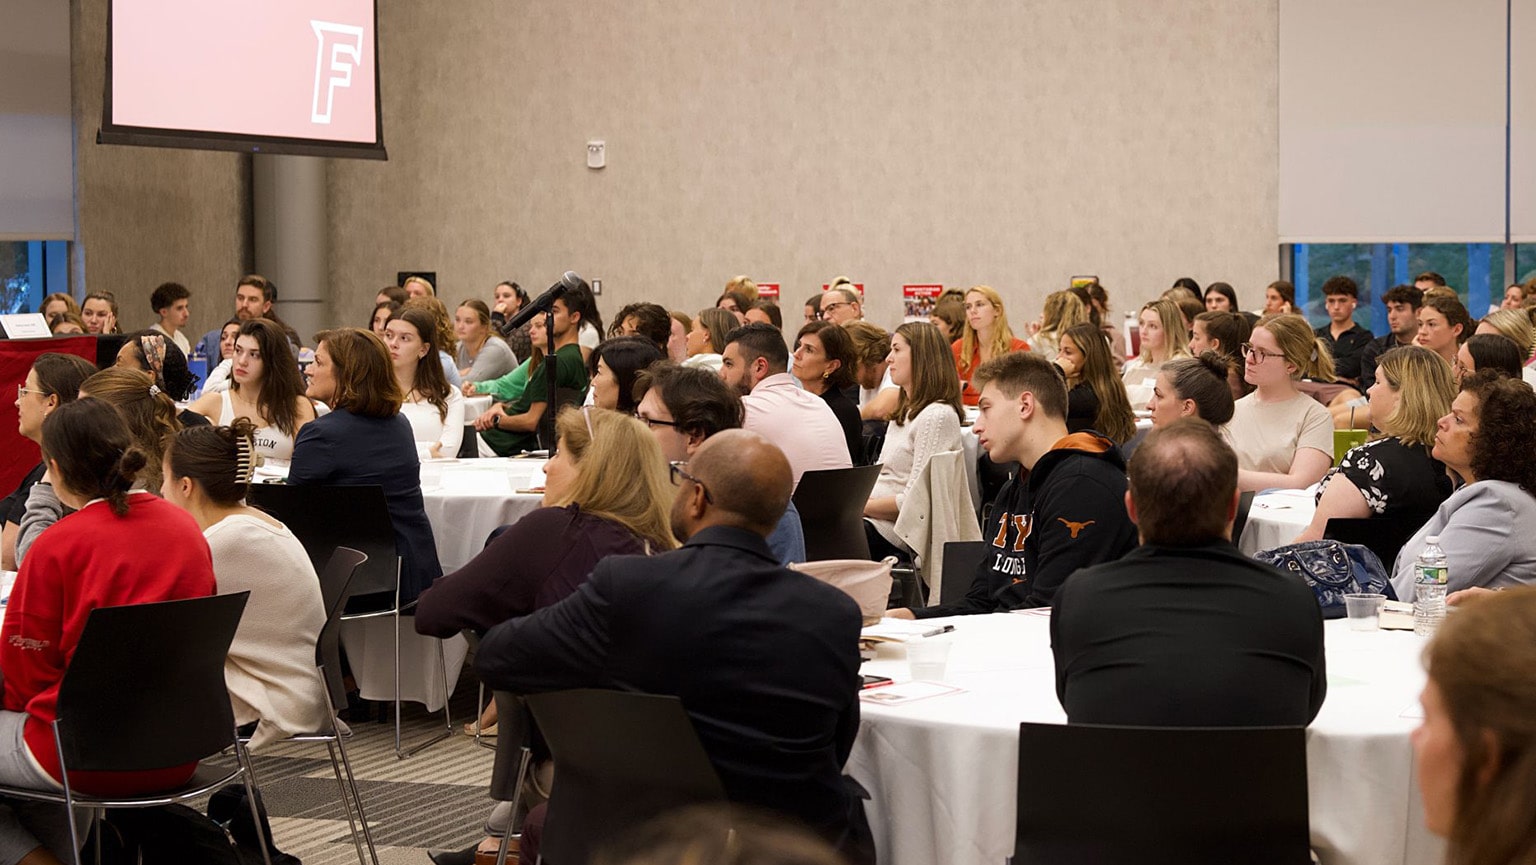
(1144,795)
(145,688)
(831,504)
(961,559)
(1383,536)
(324,517)
(620,758)
(1244,505)
(335,591)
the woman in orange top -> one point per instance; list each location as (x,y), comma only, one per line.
(986,335)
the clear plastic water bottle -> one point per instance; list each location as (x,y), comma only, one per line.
(1430,573)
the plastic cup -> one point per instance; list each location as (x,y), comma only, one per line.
(1345,440)
(1364,611)
(928,659)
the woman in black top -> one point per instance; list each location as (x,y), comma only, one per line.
(1394,475)
(825,364)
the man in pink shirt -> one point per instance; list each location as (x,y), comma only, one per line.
(756,364)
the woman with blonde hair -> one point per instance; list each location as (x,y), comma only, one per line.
(149,412)
(1283,437)
(1516,324)
(58,303)
(1095,398)
(607,492)
(926,422)
(482,354)
(706,341)
(986,335)
(1393,475)
(1475,750)
(1164,336)
(1063,310)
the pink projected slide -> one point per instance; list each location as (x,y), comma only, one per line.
(286,68)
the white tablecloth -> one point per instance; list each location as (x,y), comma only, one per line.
(467,499)
(943,771)
(1276,518)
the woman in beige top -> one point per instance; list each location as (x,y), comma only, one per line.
(1283,437)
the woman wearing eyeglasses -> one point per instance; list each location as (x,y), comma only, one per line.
(1283,437)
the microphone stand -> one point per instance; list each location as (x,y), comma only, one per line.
(547,420)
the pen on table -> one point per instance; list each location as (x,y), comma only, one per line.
(937,631)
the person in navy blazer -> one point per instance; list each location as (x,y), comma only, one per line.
(365,440)
(764,659)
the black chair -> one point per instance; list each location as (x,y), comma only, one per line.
(176,712)
(336,590)
(1244,505)
(1150,796)
(961,559)
(1381,535)
(831,505)
(606,783)
(324,517)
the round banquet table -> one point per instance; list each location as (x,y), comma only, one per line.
(943,772)
(1276,518)
(468,499)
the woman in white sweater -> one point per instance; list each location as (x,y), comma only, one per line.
(926,422)
(271,669)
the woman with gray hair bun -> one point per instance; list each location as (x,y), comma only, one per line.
(271,665)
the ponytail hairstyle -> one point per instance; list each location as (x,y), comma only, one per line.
(1204,380)
(96,458)
(219,459)
(148,412)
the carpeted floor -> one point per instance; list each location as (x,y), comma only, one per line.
(434,799)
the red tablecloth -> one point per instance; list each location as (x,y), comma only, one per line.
(17,454)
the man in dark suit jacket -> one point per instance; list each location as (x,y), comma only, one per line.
(1185,631)
(764,659)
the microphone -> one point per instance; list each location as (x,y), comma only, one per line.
(545,301)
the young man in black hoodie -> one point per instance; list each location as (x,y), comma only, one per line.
(1068,513)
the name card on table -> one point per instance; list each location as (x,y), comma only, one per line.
(25,325)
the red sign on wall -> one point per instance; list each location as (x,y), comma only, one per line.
(918,299)
(768,290)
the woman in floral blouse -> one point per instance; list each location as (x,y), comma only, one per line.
(1393,475)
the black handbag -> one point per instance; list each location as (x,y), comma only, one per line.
(1332,570)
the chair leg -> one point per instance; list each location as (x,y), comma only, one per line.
(400,752)
(244,758)
(523,765)
(351,801)
(97,828)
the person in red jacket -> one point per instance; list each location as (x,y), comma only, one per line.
(95,557)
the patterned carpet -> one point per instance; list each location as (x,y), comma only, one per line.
(433,799)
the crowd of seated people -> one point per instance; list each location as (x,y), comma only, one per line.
(696,429)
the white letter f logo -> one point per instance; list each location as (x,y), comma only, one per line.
(332,70)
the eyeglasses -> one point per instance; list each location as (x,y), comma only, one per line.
(1257,354)
(828,307)
(653,423)
(678,472)
(22,390)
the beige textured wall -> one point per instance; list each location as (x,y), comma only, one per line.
(902,141)
(148,215)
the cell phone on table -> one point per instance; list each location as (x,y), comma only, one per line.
(867,682)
